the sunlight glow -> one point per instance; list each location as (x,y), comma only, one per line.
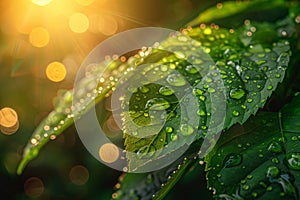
(41,2)
(39,37)
(56,71)
(79,23)
(85,2)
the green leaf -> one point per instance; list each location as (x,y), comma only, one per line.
(260,159)
(232,75)
(224,64)
(65,113)
(231,8)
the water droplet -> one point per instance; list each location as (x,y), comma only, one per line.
(191,69)
(52,137)
(208,80)
(235,113)
(197,91)
(294,138)
(249,176)
(164,68)
(246,187)
(176,80)
(169,129)
(207,31)
(166,91)
(236,93)
(186,129)
(272,172)
(157,104)
(173,137)
(249,100)
(254,194)
(270,188)
(144,89)
(229,81)
(211,90)
(275,160)
(201,112)
(274,147)
(270,87)
(232,160)
(202,98)
(293,160)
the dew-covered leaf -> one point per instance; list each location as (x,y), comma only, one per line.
(90,91)
(208,70)
(259,159)
(231,76)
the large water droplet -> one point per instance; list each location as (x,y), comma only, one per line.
(235,113)
(236,93)
(157,104)
(246,187)
(232,160)
(201,112)
(293,160)
(173,137)
(166,91)
(176,80)
(186,129)
(169,129)
(249,100)
(272,172)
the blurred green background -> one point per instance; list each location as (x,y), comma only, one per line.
(64,168)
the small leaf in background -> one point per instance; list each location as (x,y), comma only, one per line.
(69,105)
(231,8)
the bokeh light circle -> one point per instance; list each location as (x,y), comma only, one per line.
(9,123)
(34,187)
(79,175)
(56,71)
(39,37)
(79,23)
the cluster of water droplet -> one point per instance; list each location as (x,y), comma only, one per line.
(264,167)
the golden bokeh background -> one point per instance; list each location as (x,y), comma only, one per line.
(42,44)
